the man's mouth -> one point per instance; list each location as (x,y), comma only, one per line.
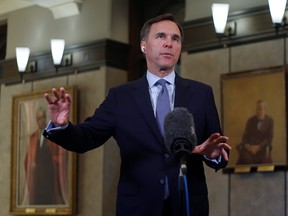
(167,54)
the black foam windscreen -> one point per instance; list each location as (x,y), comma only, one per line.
(179,132)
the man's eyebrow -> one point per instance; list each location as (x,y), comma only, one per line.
(160,33)
(176,36)
(172,35)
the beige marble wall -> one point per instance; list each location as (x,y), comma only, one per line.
(97,169)
(196,9)
(239,194)
(257,55)
(258,194)
(207,67)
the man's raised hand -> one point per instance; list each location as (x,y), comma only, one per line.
(59,105)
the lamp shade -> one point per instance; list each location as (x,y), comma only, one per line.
(220,15)
(277,9)
(57,49)
(22,56)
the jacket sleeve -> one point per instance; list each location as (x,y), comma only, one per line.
(213,126)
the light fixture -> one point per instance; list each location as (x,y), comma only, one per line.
(57,49)
(277,9)
(220,15)
(22,56)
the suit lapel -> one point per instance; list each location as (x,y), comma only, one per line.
(181,89)
(142,98)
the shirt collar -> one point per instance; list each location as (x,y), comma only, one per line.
(152,79)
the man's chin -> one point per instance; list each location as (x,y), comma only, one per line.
(167,69)
(168,65)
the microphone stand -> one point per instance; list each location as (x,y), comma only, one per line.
(183,189)
(181,192)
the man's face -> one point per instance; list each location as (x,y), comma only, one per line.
(260,111)
(41,120)
(162,46)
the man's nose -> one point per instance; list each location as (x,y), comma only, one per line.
(168,43)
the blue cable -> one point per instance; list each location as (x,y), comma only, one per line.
(186,195)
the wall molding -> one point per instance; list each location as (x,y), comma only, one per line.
(85,57)
(252,26)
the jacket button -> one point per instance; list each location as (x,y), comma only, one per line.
(162,181)
(166,155)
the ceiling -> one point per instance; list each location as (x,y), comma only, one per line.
(200,8)
(6,6)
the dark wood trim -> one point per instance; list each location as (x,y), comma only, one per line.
(85,57)
(134,39)
(253,25)
(3,39)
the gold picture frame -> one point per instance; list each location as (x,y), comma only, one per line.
(254,118)
(56,182)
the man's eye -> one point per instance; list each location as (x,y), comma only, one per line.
(160,36)
(176,39)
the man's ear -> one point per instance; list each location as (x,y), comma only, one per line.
(142,45)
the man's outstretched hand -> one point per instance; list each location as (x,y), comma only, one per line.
(215,146)
(59,105)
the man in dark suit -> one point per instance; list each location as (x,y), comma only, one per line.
(128,115)
(45,168)
(256,144)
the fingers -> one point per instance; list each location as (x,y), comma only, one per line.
(62,92)
(214,136)
(64,95)
(68,98)
(48,99)
(224,146)
(225,155)
(221,139)
(57,96)
(221,143)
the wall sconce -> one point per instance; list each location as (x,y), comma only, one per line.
(57,49)
(220,16)
(277,9)
(22,56)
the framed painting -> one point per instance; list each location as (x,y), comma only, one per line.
(43,174)
(254,118)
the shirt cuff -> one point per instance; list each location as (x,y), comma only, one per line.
(50,127)
(215,160)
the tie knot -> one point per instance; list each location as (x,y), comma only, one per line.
(161,82)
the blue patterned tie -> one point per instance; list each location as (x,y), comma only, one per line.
(162,109)
(162,105)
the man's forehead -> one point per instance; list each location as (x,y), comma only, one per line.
(165,27)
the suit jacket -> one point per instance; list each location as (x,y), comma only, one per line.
(262,136)
(127,115)
(255,135)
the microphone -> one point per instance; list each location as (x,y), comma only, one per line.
(179,134)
